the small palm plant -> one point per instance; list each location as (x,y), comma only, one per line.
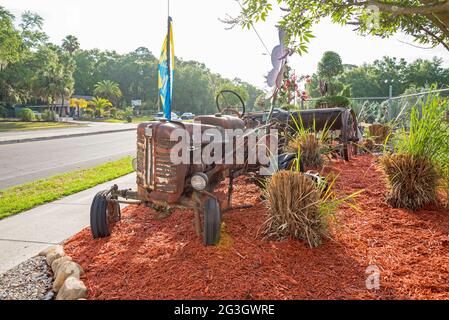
(421,157)
(109,90)
(100,105)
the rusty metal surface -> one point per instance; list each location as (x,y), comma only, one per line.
(223,121)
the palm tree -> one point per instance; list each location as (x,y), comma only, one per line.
(108,89)
(100,105)
(70,44)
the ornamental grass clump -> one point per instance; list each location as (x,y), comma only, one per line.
(418,167)
(311,148)
(310,143)
(412,180)
(299,208)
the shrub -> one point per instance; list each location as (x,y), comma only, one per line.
(380,132)
(129,111)
(421,162)
(26,114)
(309,143)
(49,115)
(412,180)
(333,102)
(293,208)
(310,148)
(300,207)
(3,111)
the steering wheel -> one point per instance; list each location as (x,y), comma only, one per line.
(229,103)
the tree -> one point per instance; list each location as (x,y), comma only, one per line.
(108,89)
(31,30)
(53,75)
(10,39)
(70,44)
(100,106)
(329,68)
(425,20)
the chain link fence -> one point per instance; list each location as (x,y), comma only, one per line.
(384,109)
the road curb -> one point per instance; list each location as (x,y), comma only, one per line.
(74,135)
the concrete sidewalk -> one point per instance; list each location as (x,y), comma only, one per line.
(24,235)
(89,128)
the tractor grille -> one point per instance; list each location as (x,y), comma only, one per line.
(164,171)
(140,160)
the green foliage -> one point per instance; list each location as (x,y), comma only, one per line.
(26,114)
(330,66)
(49,115)
(108,89)
(70,44)
(10,40)
(128,112)
(35,71)
(425,21)
(3,111)
(421,161)
(428,134)
(373,112)
(101,106)
(333,102)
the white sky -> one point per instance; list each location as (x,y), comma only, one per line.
(126,25)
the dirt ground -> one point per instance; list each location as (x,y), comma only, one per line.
(164,259)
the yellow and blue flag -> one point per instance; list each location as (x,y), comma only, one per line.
(166,67)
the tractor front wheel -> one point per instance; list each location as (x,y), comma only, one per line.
(103,215)
(212,222)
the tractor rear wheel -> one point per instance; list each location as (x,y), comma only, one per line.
(103,215)
(212,222)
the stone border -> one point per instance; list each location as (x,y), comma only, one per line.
(66,273)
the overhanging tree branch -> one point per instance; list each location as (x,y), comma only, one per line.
(437,7)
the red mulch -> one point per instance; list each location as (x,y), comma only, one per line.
(164,259)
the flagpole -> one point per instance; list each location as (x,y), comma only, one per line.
(169,58)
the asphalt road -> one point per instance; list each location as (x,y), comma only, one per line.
(25,162)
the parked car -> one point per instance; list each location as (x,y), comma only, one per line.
(187,116)
(160,116)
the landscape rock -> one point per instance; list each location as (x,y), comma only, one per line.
(54,253)
(73,289)
(66,269)
(55,265)
(44,252)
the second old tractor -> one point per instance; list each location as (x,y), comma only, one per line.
(161,183)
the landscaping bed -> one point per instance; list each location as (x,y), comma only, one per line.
(146,258)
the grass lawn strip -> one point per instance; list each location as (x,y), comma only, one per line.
(26,196)
(37,125)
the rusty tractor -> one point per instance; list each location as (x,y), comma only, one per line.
(161,184)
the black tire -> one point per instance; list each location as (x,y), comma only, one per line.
(103,215)
(212,222)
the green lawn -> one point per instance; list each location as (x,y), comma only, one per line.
(35,125)
(26,196)
(135,120)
